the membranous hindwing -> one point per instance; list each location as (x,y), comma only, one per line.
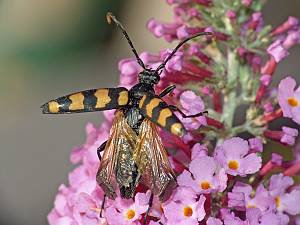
(153,107)
(129,158)
(117,167)
(152,161)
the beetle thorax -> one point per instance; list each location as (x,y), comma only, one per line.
(138,90)
(149,76)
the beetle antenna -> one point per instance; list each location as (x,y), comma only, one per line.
(110,17)
(177,47)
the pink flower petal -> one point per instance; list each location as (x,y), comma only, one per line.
(286,90)
(289,202)
(250,164)
(191,102)
(203,167)
(214,221)
(198,151)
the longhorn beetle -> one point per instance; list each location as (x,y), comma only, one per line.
(134,152)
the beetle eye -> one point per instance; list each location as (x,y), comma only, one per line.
(156,79)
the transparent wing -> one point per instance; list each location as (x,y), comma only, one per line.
(117,163)
(152,161)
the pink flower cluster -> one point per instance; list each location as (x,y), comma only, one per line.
(222,178)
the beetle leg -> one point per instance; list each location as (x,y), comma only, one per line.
(149,207)
(102,206)
(166,91)
(100,149)
(175,108)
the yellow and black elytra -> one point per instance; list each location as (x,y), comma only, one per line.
(160,113)
(88,101)
(134,152)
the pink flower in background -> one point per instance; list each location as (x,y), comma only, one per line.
(234,158)
(157,210)
(207,176)
(261,200)
(86,210)
(192,104)
(277,50)
(255,144)
(275,161)
(255,217)
(236,200)
(289,99)
(229,218)
(291,23)
(285,201)
(255,23)
(292,39)
(176,63)
(268,107)
(168,31)
(87,153)
(214,221)
(81,201)
(129,69)
(78,207)
(231,14)
(287,136)
(265,79)
(127,212)
(246,2)
(198,151)
(184,208)
(196,50)
(184,31)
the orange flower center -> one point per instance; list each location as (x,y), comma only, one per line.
(187,211)
(277,201)
(205,185)
(233,164)
(251,206)
(130,214)
(293,102)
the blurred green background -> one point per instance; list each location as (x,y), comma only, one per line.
(51,48)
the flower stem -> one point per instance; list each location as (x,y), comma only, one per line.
(230,99)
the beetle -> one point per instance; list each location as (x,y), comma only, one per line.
(134,152)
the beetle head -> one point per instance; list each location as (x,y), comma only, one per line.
(149,76)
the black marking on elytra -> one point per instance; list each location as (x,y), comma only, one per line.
(64,104)
(156,111)
(45,108)
(171,120)
(90,100)
(146,101)
(114,94)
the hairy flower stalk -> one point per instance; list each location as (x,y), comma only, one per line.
(222,178)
